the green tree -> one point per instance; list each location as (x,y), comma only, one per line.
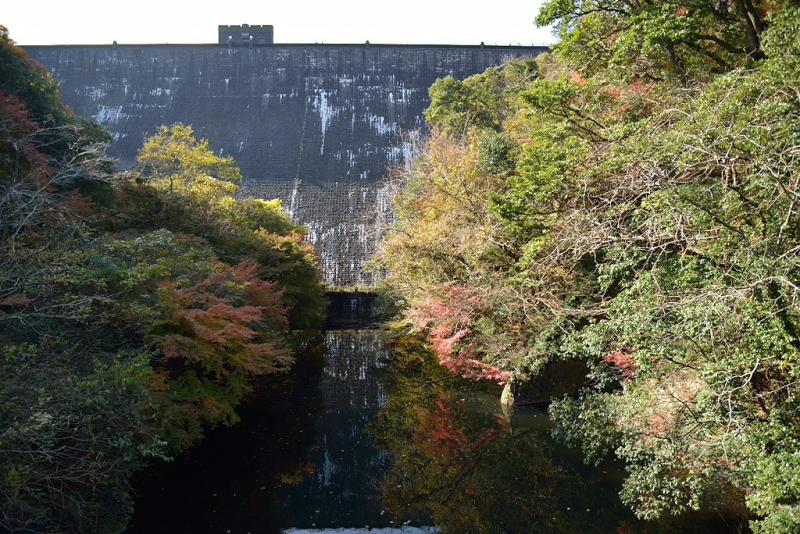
(647,226)
(183,186)
(136,310)
(658,40)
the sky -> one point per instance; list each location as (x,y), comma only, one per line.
(295,21)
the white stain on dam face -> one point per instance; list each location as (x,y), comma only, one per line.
(344,221)
(95,93)
(108,115)
(380,125)
(326,114)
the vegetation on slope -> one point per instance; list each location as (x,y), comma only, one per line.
(630,201)
(136,309)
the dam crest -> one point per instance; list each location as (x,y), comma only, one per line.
(316,125)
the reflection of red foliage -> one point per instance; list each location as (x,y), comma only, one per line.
(623,361)
(449,322)
(440,433)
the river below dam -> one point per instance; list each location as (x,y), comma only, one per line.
(367,434)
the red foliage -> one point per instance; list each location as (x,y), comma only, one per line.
(77,204)
(15,119)
(577,78)
(623,362)
(627,95)
(657,424)
(639,88)
(19,150)
(613,91)
(222,319)
(15,300)
(449,323)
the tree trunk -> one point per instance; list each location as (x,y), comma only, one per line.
(751,21)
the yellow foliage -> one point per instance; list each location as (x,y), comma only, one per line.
(174,160)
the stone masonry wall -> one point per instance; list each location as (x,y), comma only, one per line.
(314,125)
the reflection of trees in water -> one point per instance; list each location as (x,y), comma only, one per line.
(344,490)
(237,479)
(472,470)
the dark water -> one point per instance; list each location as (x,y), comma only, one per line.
(366,435)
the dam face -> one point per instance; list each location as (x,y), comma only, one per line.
(315,125)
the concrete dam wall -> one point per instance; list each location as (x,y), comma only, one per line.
(314,125)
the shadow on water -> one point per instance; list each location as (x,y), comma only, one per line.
(236,480)
(354,438)
(351,309)
(299,458)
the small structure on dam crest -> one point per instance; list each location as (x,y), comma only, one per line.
(313,124)
(246,35)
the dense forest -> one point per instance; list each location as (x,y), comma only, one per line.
(137,309)
(611,229)
(627,204)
